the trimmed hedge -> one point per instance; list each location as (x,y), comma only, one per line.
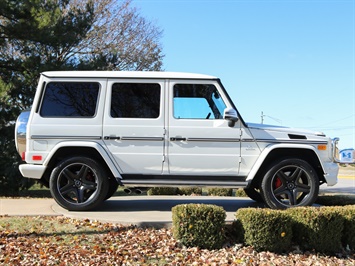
(317,228)
(199,225)
(189,191)
(323,229)
(224,192)
(241,193)
(162,191)
(348,238)
(266,229)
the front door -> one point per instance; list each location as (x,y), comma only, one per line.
(200,141)
(134,125)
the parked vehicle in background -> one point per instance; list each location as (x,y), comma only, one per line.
(89,132)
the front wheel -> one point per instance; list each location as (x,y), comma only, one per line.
(78,184)
(290,183)
(254,194)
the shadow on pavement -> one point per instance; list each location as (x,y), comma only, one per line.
(166,203)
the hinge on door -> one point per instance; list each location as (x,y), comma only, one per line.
(241,132)
(163,158)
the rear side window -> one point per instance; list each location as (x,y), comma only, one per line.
(135,100)
(70,99)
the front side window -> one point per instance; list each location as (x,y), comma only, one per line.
(135,100)
(70,99)
(197,101)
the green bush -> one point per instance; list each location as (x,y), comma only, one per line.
(199,225)
(266,229)
(241,193)
(162,191)
(348,214)
(190,191)
(225,192)
(317,228)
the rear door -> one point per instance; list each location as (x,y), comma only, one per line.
(134,125)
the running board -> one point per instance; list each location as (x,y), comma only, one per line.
(183,183)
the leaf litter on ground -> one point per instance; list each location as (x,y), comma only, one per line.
(54,240)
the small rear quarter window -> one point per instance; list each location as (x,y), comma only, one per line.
(70,99)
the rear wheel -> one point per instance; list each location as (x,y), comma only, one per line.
(78,184)
(290,183)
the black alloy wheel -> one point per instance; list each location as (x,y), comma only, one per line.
(290,183)
(79,184)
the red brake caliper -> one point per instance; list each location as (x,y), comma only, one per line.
(278,182)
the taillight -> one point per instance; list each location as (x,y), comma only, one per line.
(37,157)
(23,156)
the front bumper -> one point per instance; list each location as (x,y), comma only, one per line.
(331,173)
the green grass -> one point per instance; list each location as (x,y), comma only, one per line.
(58,229)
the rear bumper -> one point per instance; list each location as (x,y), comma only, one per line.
(32,170)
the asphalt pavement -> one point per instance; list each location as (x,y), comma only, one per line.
(147,211)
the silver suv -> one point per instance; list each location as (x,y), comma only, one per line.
(90,132)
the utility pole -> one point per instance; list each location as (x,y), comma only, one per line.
(273,118)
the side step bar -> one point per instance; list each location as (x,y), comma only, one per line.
(183,183)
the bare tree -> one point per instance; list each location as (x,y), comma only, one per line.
(120,38)
(44,35)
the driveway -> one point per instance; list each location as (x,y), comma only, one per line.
(153,210)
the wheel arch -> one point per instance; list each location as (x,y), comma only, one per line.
(268,156)
(71,149)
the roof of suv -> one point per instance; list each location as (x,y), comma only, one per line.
(126,74)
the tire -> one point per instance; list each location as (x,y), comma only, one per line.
(290,183)
(254,194)
(78,184)
(113,185)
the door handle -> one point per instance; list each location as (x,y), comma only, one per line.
(111,138)
(177,139)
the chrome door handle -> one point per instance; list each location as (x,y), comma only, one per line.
(177,139)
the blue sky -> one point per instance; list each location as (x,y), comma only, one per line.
(293,60)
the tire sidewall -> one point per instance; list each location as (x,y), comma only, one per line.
(94,200)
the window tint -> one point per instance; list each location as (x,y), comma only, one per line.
(70,99)
(135,100)
(197,101)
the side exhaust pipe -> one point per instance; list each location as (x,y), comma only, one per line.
(127,190)
(137,190)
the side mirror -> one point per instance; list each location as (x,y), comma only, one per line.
(231,115)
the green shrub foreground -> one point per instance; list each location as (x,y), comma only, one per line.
(323,229)
(318,228)
(199,225)
(265,229)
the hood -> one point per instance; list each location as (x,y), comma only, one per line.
(284,129)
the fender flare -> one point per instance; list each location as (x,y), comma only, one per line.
(261,159)
(87,144)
